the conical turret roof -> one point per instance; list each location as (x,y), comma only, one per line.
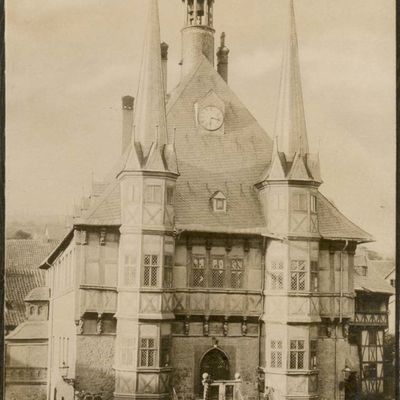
(290,125)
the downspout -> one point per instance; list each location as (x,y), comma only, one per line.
(263,269)
(50,340)
(341,281)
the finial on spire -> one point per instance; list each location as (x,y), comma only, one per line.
(290,122)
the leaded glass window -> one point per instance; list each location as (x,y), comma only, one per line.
(217,272)
(199,271)
(276,274)
(236,273)
(276,353)
(297,354)
(151,265)
(148,352)
(298,275)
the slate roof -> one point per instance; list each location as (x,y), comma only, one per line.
(30,330)
(18,283)
(231,163)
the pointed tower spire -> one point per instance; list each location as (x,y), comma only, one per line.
(150,112)
(290,122)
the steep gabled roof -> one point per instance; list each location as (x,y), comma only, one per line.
(209,162)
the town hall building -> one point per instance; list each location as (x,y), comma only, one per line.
(208,263)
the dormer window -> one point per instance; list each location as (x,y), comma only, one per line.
(218,201)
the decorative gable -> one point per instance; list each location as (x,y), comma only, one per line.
(218,202)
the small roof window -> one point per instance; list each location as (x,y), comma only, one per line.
(218,202)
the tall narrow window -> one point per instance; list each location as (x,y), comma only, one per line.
(276,353)
(168,271)
(314,284)
(151,265)
(313,354)
(313,204)
(199,271)
(276,282)
(148,352)
(218,272)
(153,194)
(236,273)
(298,275)
(297,354)
(299,202)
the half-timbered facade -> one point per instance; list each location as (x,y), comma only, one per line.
(210,249)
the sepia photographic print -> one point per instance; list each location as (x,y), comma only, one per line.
(200,200)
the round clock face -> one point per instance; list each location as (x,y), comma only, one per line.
(211,118)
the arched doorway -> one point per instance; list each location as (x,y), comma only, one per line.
(215,362)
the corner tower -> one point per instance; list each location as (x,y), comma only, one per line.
(288,193)
(147,245)
(197,33)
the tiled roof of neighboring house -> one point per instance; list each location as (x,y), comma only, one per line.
(30,330)
(38,294)
(18,283)
(374,280)
(27,253)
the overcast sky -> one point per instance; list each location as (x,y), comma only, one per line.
(70,61)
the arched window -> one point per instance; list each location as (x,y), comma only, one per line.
(31,310)
(40,310)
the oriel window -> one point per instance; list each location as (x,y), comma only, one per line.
(218,272)
(297,354)
(151,266)
(276,274)
(298,275)
(199,271)
(148,352)
(237,273)
(276,354)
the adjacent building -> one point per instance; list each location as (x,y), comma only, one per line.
(210,249)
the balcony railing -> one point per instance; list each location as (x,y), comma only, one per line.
(370,319)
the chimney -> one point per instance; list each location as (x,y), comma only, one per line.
(164,65)
(127,121)
(222,59)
